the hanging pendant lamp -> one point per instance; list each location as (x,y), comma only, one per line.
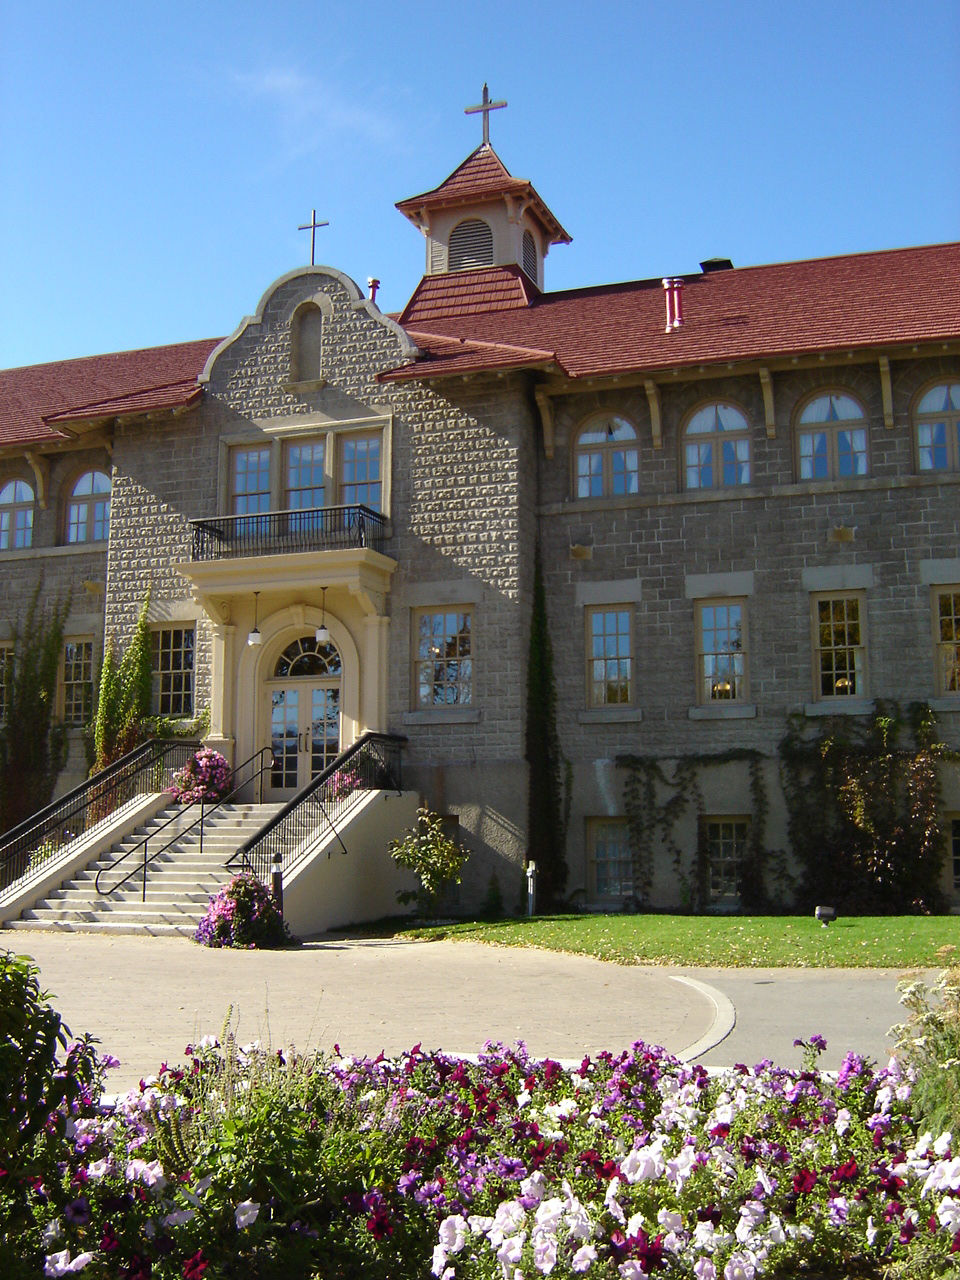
(254,637)
(323,632)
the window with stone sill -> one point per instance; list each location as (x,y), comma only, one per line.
(839,649)
(77,682)
(609,644)
(609,859)
(173,667)
(831,438)
(250,480)
(725,845)
(88,508)
(442,658)
(716,447)
(16,515)
(946,630)
(360,478)
(606,459)
(937,426)
(721,652)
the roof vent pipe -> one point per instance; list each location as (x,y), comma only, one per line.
(373,284)
(673,296)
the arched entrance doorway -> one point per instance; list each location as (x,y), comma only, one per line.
(303,705)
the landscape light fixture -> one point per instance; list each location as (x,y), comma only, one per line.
(825,915)
(255,638)
(323,631)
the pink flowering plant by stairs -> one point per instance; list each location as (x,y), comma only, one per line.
(243,914)
(249,1162)
(205,776)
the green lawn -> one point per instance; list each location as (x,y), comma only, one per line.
(857,942)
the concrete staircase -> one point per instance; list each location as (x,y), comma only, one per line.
(179,881)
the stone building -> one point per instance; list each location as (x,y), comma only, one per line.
(744,484)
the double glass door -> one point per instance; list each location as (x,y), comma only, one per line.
(304,734)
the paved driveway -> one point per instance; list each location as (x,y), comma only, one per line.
(146,998)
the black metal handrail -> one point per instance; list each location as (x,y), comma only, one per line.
(271,533)
(264,756)
(145,770)
(373,763)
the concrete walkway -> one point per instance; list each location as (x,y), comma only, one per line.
(146,998)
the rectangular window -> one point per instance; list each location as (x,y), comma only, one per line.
(833,454)
(173,652)
(839,650)
(442,662)
(360,471)
(304,476)
(77,681)
(610,857)
(726,846)
(947,638)
(609,657)
(721,652)
(6,677)
(249,481)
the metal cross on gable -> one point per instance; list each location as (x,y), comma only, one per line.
(311,226)
(486,106)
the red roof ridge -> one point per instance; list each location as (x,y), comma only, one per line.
(116,355)
(84,410)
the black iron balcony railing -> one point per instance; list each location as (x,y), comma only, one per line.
(275,533)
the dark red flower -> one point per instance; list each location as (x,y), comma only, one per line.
(845,1172)
(194,1267)
(108,1241)
(379,1224)
(138,1269)
(804,1182)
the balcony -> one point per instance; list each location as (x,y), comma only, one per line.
(282,533)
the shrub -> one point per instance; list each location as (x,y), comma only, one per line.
(205,776)
(437,860)
(243,914)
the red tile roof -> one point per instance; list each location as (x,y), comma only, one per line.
(483,176)
(471,356)
(749,313)
(35,398)
(461,293)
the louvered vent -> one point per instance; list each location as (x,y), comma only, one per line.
(530,256)
(471,245)
(438,257)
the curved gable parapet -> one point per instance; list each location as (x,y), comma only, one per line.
(408,350)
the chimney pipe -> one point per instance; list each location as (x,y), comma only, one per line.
(373,284)
(673,296)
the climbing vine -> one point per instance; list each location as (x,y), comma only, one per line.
(863,805)
(546,828)
(123,704)
(33,743)
(657,795)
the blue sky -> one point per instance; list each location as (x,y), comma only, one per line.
(155,161)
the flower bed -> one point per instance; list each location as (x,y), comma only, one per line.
(248,1162)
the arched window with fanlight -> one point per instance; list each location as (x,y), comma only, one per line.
(88,508)
(16,515)
(937,424)
(606,459)
(716,447)
(470,245)
(831,438)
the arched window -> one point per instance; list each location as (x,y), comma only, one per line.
(605,459)
(307,339)
(88,508)
(937,420)
(716,447)
(529,255)
(471,245)
(831,438)
(16,515)
(307,656)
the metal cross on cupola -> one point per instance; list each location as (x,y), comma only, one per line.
(311,226)
(486,106)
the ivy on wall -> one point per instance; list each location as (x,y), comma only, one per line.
(864,804)
(33,743)
(546,829)
(659,794)
(123,704)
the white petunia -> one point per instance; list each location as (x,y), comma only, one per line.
(583,1259)
(246,1213)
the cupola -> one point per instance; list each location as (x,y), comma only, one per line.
(481,216)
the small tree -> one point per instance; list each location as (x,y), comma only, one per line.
(428,851)
(126,686)
(33,744)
